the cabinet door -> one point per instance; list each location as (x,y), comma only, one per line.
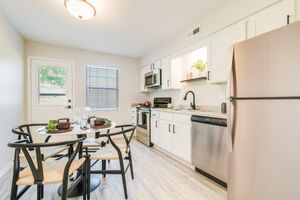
(165,135)
(171,74)
(271,18)
(166,73)
(182,141)
(220,51)
(154,131)
(156,65)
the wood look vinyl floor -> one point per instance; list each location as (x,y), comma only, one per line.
(157,177)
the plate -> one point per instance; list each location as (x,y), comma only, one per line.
(100,127)
(59,131)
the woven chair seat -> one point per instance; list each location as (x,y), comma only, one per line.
(108,152)
(53,172)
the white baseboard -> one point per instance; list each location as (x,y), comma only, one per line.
(6,168)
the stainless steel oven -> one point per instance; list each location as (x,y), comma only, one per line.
(143,126)
(153,78)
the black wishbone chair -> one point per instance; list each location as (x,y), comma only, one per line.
(40,173)
(114,151)
(25,132)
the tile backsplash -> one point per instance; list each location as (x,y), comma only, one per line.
(206,94)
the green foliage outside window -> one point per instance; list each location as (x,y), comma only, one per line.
(52,75)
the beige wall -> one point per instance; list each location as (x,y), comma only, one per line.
(11,87)
(128,74)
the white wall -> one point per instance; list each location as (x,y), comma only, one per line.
(11,87)
(232,12)
(128,74)
(298,9)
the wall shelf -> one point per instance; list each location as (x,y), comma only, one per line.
(194,79)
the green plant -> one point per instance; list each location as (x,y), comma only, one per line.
(107,122)
(52,125)
(200,65)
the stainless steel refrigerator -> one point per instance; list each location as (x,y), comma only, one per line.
(264,117)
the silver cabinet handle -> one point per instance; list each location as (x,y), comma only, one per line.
(169,128)
(173,128)
(156,124)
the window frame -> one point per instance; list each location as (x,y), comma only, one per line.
(117,88)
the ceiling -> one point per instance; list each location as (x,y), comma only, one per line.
(123,27)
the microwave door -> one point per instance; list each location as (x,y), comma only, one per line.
(148,80)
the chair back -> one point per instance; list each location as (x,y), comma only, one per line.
(25,131)
(36,163)
(125,129)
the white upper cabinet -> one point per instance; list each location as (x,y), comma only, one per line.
(171,74)
(271,18)
(220,51)
(156,65)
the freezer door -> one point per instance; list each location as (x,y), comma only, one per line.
(265,162)
(269,65)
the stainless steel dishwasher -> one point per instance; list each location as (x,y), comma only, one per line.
(209,147)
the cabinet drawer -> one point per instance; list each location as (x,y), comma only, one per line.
(154,114)
(133,111)
(182,119)
(166,116)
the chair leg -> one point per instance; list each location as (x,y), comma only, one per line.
(130,164)
(14,191)
(104,167)
(84,181)
(123,178)
(88,178)
(64,192)
(39,191)
(42,191)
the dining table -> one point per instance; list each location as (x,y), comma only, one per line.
(78,131)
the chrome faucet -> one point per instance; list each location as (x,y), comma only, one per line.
(193,105)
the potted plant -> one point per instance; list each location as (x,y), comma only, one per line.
(200,66)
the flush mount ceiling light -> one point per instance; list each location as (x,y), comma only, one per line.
(80,9)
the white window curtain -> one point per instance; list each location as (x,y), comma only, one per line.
(102,88)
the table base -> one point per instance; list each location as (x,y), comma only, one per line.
(95,181)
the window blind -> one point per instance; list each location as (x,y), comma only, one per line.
(102,88)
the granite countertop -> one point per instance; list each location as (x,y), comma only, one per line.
(200,112)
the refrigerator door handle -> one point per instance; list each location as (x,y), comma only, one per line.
(230,100)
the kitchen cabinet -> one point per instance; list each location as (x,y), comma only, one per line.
(271,18)
(172,133)
(220,51)
(156,65)
(133,116)
(171,74)
(165,135)
(155,128)
(182,141)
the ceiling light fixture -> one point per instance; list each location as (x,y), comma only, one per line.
(80,9)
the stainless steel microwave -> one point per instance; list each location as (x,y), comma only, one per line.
(153,78)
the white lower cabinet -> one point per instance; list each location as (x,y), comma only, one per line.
(172,133)
(154,131)
(182,141)
(165,135)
